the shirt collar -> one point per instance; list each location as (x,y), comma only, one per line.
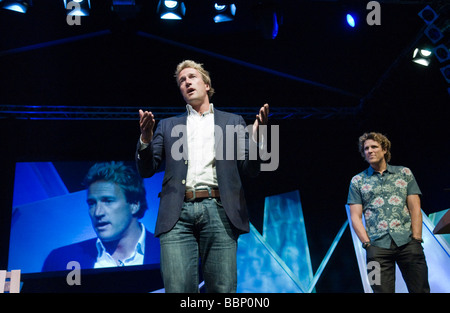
(191,110)
(140,246)
(389,169)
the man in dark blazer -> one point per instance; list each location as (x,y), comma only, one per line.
(86,253)
(202,207)
(116,198)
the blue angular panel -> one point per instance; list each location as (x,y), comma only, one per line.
(278,261)
(35,181)
(260,269)
(284,230)
(435,218)
(41,226)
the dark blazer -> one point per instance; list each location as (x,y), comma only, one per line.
(173,187)
(85,253)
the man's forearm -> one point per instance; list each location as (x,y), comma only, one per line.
(415,211)
(416,224)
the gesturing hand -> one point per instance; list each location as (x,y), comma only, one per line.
(261,119)
(146,124)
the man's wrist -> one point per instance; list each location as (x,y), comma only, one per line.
(417,239)
(366,244)
(144,142)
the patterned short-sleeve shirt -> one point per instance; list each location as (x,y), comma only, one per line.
(383,197)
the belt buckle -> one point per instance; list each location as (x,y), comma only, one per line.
(193,196)
(209,192)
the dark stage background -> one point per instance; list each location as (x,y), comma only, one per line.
(316,61)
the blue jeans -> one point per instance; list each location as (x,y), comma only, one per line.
(203,230)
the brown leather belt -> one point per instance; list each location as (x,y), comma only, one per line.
(192,195)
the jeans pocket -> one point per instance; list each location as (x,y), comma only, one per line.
(218,202)
(372,252)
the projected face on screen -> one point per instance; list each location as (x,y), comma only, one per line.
(116,198)
(111,215)
(100,215)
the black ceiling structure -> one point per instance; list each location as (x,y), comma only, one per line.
(108,60)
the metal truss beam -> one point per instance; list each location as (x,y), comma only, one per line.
(32,112)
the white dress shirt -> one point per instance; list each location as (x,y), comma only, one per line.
(104,259)
(201,154)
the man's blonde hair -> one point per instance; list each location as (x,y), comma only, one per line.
(199,67)
(378,137)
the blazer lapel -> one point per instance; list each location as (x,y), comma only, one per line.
(220,123)
(178,131)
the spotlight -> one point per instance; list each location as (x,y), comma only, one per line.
(275,26)
(442,53)
(16,6)
(351,21)
(81,7)
(224,12)
(422,56)
(171,10)
(352,14)
(446,72)
(269,17)
(428,15)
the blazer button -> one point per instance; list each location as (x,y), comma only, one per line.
(183,181)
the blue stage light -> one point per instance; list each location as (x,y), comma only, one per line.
(16,6)
(276,26)
(78,7)
(351,21)
(224,12)
(171,10)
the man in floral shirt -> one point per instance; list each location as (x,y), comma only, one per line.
(389,198)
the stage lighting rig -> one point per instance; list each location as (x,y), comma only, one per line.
(442,52)
(171,10)
(224,12)
(438,22)
(438,30)
(16,6)
(81,7)
(446,73)
(428,15)
(422,56)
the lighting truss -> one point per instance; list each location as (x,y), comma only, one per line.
(32,112)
